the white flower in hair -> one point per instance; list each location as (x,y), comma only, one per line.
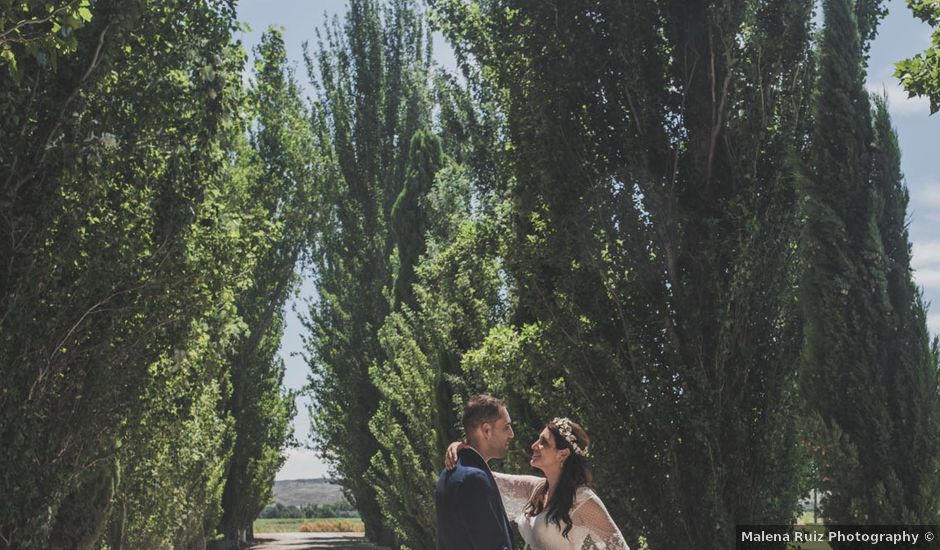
(564,428)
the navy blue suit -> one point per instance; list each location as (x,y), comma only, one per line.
(470,513)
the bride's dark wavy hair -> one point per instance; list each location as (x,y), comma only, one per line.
(574,473)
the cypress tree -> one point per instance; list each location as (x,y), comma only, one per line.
(909,357)
(869,373)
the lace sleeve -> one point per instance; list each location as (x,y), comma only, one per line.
(515,491)
(600,532)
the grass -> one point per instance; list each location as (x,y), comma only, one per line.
(807,519)
(325,525)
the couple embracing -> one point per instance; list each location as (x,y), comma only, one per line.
(555,512)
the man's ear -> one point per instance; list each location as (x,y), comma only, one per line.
(486,429)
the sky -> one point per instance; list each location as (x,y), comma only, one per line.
(900,35)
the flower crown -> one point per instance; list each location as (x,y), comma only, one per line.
(564,428)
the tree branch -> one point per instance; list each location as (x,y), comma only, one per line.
(25,23)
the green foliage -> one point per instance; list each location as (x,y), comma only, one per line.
(281,181)
(841,328)
(912,359)
(457,301)
(372,78)
(920,74)
(81,520)
(41,30)
(868,13)
(604,223)
(408,218)
(653,245)
(457,293)
(128,237)
(404,427)
(870,373)
(176,473)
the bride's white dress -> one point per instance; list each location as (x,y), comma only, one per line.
(591,525)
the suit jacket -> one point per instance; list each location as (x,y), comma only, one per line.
(470,513)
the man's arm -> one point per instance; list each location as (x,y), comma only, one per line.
(485,524)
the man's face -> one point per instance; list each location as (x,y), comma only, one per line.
(500,433)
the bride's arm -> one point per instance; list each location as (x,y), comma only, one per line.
(518,486)
(592,516)
(515,491)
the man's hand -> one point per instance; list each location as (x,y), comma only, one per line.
(450,455)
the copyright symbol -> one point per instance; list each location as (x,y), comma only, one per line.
(928,536)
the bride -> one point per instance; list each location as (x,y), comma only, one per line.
(559,511)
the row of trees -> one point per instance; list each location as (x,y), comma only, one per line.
(682,223)
(153,211)
(336,510)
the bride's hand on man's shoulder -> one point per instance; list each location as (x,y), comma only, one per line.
(450,455)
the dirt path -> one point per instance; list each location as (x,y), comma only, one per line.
(312,541)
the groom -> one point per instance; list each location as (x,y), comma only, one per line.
(470,513)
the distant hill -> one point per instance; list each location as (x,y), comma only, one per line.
(301,492)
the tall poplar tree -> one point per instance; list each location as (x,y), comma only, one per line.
(654,226)
(447,300)
(126,236)
(371,73)
(280,167)
(457,302)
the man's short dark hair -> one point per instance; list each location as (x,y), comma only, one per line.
(480,409)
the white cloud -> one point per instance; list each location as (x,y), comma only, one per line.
(933,324)
(925,253)
(928,277)
(926,195)
(899,104)
(302,464)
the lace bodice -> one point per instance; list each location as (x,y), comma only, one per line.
(592,527)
